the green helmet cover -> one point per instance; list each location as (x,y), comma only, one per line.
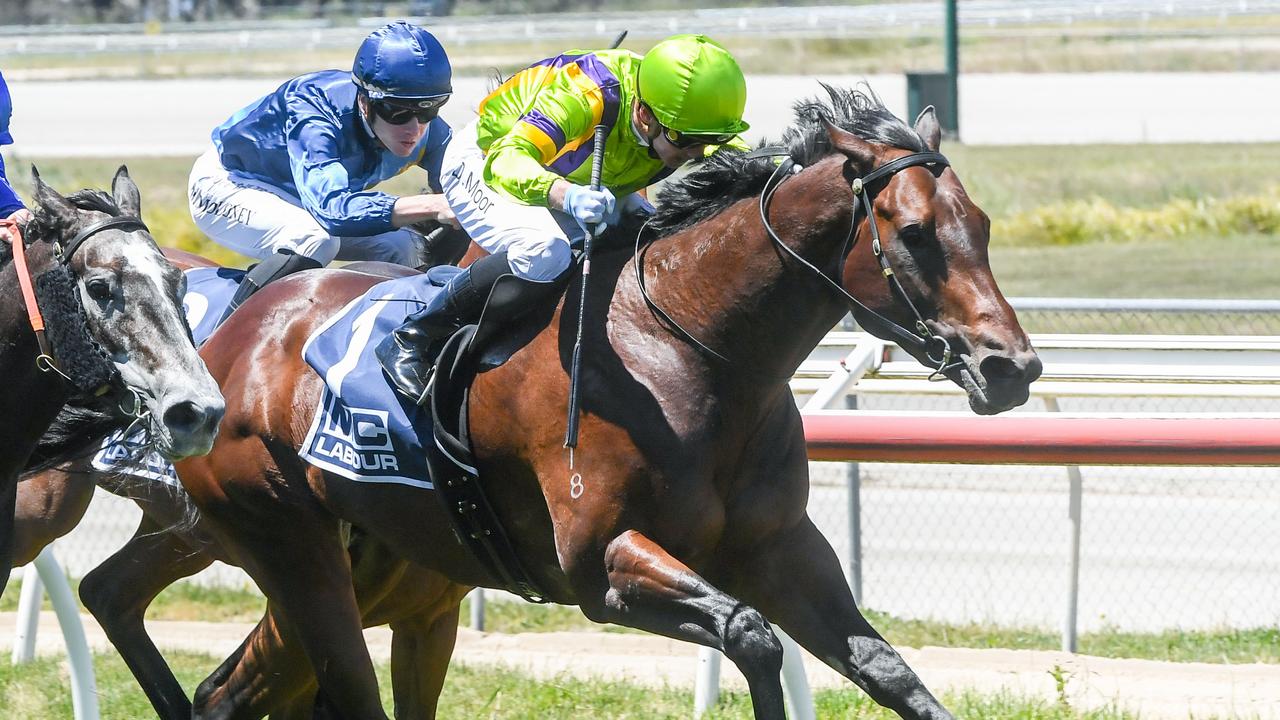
(694,85)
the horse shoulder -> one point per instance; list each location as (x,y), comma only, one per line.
(771,474)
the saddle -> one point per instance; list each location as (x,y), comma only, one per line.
(469,351)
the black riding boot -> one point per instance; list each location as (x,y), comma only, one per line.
(283,262)
(409,353)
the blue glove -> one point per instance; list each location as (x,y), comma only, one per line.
(590,207)
(635,204)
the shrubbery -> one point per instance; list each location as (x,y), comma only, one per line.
(1098,220)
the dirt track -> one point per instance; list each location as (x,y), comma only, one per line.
(1153,689)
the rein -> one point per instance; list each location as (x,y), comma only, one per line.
(29,294)
(45,360)
(922,339)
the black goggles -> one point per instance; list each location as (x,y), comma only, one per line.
(685,140)
(399,112)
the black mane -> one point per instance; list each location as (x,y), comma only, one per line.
(98,200)
(43,227)
(728,176)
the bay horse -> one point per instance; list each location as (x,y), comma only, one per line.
(688,517)
(685,514)
(116,336)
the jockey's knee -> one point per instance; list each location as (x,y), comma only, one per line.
(318,246)
(541,261)
(395,247)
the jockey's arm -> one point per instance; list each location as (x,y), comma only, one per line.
(324,186)
(10,203)
(516,163)
(413,209)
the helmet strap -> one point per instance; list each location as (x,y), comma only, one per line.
(641,137)
(366,115)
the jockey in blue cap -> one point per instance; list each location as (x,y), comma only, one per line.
(11,206)
(287,179)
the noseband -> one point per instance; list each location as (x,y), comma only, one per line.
(45,360)
(933,346)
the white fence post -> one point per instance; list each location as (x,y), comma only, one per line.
(24,637)
(477,608)
(853,483)
(46,571)
(1075,507)
(795,684)
(707,692)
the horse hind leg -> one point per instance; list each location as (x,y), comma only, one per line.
(117,593)
(651,590)
(49,505)
(269,672)
(797,580)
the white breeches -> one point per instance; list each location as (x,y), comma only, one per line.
(536,239)
(256,219)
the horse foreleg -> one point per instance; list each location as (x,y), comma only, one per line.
(117,593)
(797,581)
(651,590)
(421,606)
(48,505)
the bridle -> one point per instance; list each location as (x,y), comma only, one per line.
(45,361)
(931,345)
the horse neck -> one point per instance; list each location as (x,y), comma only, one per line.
(33,397)
(751,304)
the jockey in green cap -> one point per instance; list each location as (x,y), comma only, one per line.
(518,178)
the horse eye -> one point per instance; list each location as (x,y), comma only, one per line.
(99,289)
(912,234)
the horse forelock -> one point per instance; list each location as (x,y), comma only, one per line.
(728,176)
(46,226)
(95,200)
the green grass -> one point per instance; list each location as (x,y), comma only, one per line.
(39,691)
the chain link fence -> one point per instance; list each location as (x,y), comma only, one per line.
(1161,548)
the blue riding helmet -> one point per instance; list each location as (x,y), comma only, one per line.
(6,111)
(400,61)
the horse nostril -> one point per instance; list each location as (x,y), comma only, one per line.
(999,367)
(1025,367)
(183,416)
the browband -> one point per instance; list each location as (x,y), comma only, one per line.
(127,223)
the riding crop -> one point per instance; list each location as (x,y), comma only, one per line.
(575,367)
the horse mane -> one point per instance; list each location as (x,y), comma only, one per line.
(728,176)
(43,227)
(75,432)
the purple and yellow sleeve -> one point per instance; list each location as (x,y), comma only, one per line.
(559,120)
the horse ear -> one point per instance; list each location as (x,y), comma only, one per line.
(125,192)
(49,203)
(859,151)
(928,129)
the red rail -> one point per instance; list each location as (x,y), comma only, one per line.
(1043,440)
